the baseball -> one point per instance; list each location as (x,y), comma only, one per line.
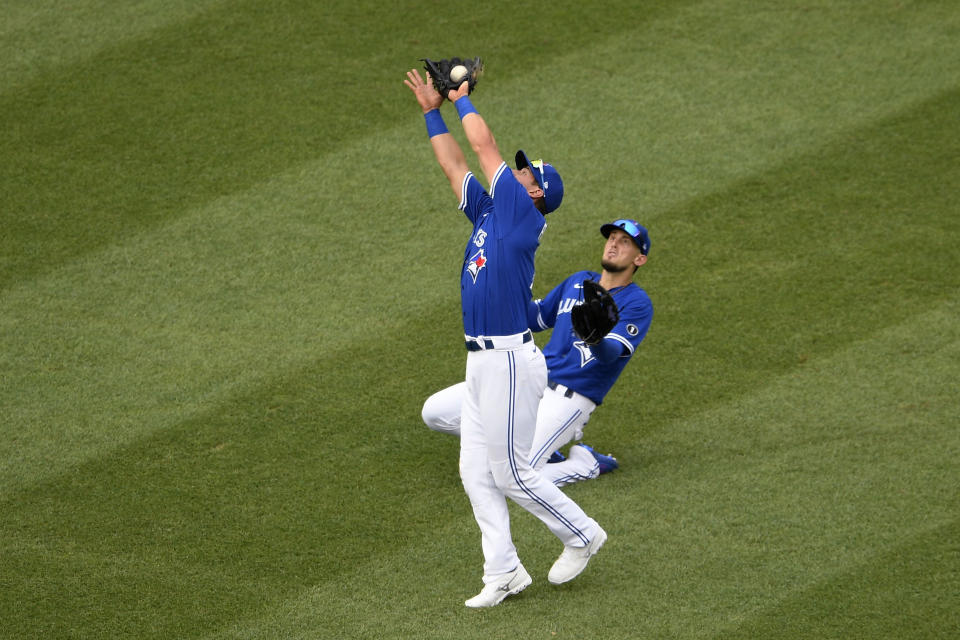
(458,73)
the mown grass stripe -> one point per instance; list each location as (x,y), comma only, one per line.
(152,126)
(38,36)
(753,513)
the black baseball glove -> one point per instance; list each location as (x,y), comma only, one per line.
(440,73)
(596,315)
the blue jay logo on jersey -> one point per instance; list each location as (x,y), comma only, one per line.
(477,262)
(480,238)
(585,354)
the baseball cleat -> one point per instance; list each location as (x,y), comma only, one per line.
(607,462)
(573,560)
(507,585)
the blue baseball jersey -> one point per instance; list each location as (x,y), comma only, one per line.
(498,270)
(569,360)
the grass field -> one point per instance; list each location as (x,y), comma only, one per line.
(228,280)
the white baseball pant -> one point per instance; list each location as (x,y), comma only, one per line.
(497,427)
(560,419)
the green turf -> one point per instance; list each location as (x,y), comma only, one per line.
(228,279)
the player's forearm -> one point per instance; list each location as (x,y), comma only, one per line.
(448,153)
(478,133)
(479,136)
(445,148)
(607,350)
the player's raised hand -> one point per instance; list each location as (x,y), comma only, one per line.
(426,95)
(462,90)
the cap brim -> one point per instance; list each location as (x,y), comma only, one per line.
(608,228)
(522,162)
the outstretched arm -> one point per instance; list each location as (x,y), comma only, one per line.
(445,147)
(478,133)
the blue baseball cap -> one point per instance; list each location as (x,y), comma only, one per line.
(632,228)
(547,177)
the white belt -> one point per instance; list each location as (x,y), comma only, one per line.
(498,343)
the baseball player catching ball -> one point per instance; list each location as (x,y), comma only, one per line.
(505,372)
(580,374)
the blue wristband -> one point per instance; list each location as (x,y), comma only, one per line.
(435,123)
(464,106)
